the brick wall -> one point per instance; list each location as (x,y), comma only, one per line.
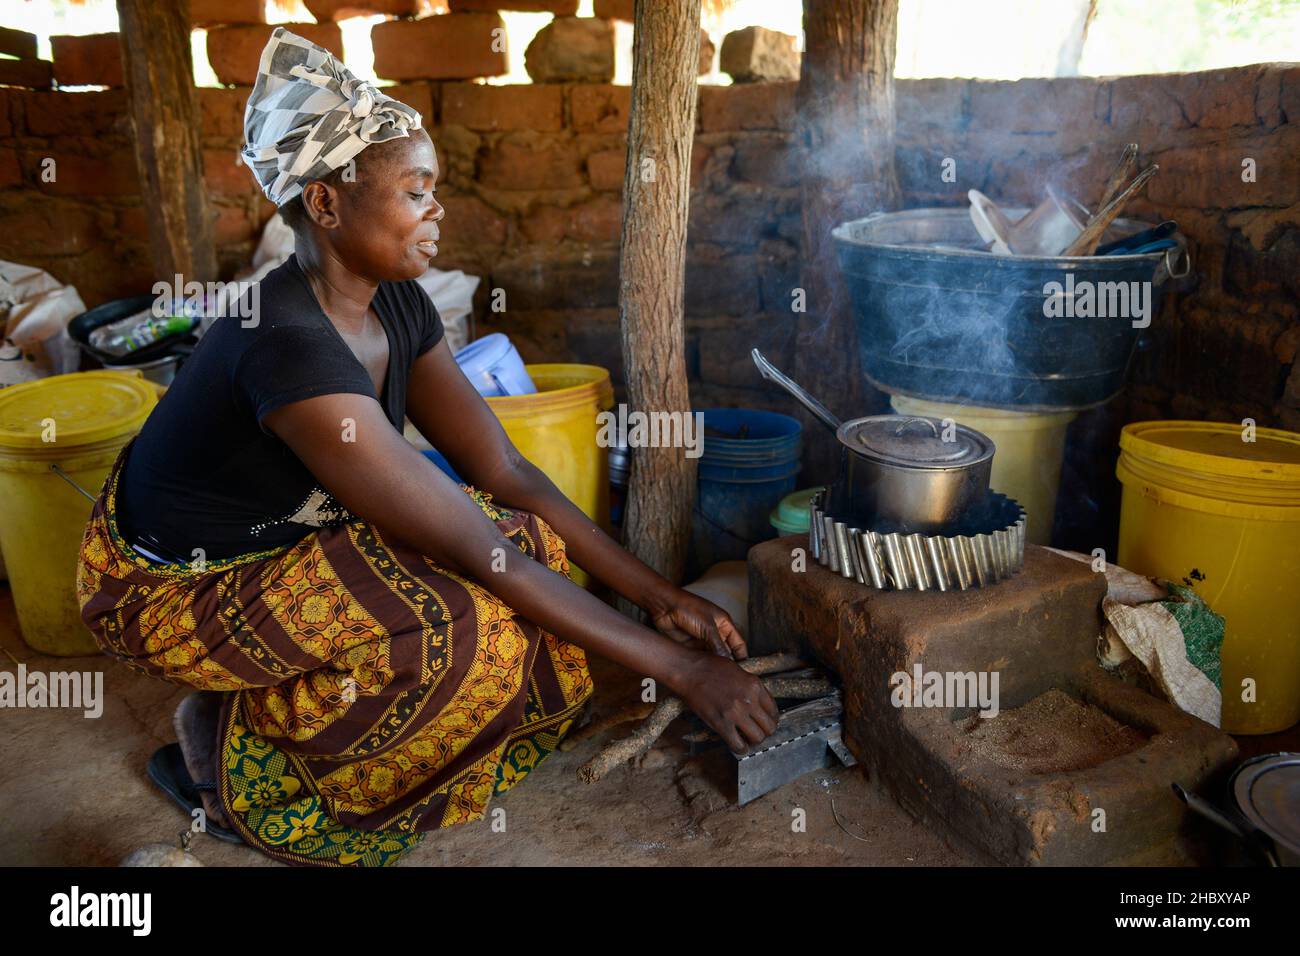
(532,177)
(70,195)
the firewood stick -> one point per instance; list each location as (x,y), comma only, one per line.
(798,688)
(665,712)
(637,711)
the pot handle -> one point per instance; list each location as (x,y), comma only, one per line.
(912,421)
(1166,269)
(773,374)
(1205,808)
(1208,810)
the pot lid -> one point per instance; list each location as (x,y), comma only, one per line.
(1267,790)
(76,410)
(915,441)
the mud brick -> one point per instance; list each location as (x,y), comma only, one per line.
(598,220)
(572,49)
(82,113)
(747,106)
(561,8)
(17,43)
(559,280)
(37,225)
(11,172)
(454,46)
(232,224)
(209,13)
(490,108)
(222,111)
(112,174)
(30,74)
(91,60)
(526,160)
(1037,106)
(599,107)
(324,10)
(616,9)
(756,54)
(1210,176)
(419,96)
(469,219)
(225,174)
(768,159)
(725,348)
(721,284)
(235,51)
(931,102)
(605,169)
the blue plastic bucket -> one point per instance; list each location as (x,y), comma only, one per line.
(750,462)
(437,458)
(493,366)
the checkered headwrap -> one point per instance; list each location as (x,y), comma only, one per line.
(308,115)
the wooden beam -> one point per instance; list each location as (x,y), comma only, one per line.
(656,194)
(845,127)
(155,37)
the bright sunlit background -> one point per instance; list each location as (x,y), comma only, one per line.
(994,39)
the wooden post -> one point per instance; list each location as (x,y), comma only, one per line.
(656,193)
(845,125)
(155,38)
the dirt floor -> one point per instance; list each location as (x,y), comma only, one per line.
(74,792)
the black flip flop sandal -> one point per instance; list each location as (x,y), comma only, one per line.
(167,769)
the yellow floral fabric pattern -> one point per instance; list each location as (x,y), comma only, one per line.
(373,696)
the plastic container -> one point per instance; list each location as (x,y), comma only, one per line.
(790,516)
(939,318)
(1202,506)
(741,479)
(493,366)
(90,416)
(555,429)
(443,464)
(1030,448)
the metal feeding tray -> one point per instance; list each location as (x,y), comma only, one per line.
(985,547)
(807,738)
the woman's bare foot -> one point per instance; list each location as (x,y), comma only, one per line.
(196,721)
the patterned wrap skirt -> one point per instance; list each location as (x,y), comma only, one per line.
(372,695)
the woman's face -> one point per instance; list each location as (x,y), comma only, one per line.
(387,224)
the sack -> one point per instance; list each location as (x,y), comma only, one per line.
(36,309)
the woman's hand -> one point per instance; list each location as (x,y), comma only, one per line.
(687,617)
(731,701)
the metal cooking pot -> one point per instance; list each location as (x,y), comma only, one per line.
(1265,807)
(909,473)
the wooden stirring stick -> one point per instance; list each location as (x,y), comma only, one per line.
(1087,242)
(1124,170)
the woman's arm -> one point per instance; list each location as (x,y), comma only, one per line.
(451,414)
(378,476)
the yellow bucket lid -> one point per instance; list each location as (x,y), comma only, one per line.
(1216,449)
(1210,461)
(86,408)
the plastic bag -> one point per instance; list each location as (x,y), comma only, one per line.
(37,309)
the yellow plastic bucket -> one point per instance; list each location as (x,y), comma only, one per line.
(1204,507)
(1027,463)
(555,429)
(66,427)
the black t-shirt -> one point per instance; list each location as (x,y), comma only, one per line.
(204,473)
